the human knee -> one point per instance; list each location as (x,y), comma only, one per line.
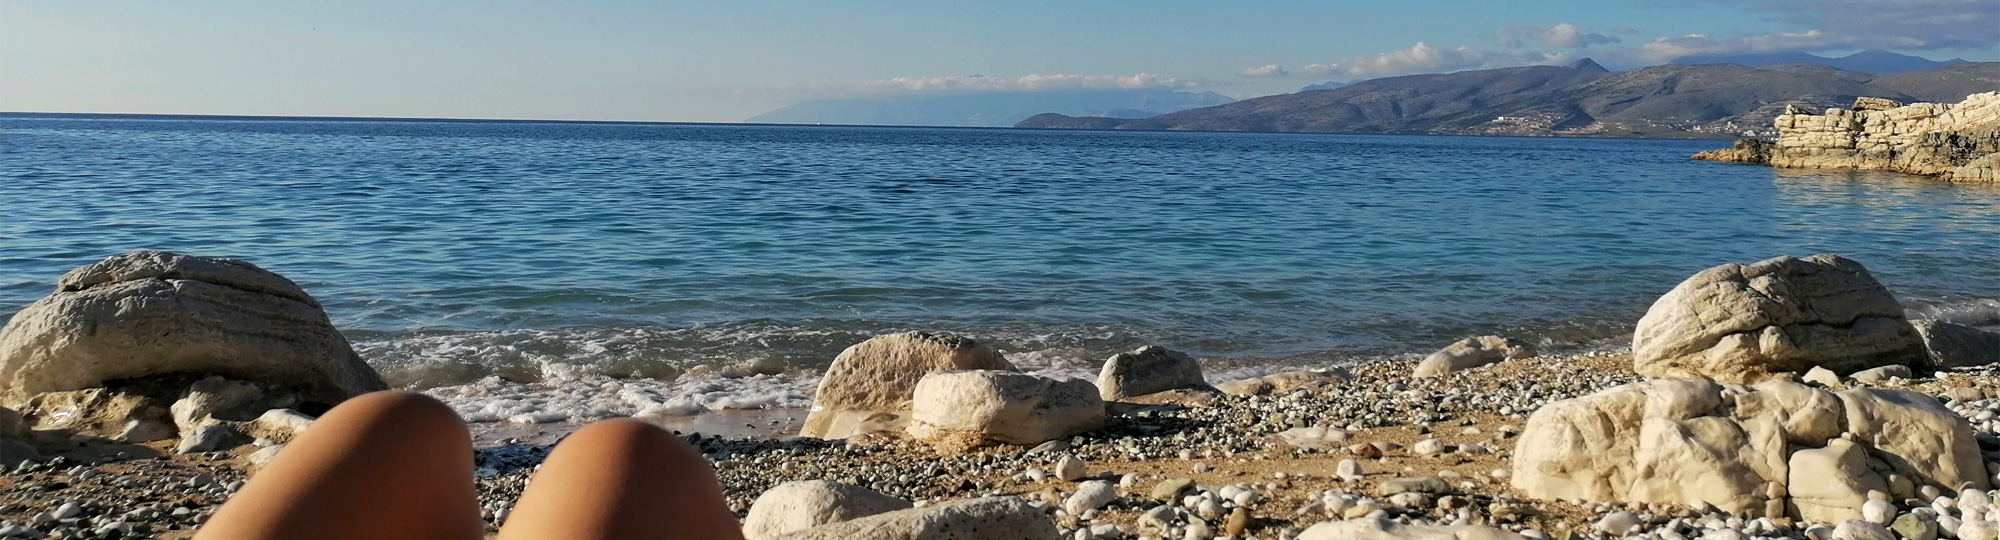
(633,436)
(402,411)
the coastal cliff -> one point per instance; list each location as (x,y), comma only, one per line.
(1958,142)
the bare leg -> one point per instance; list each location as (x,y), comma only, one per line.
(622,479)
(386,465)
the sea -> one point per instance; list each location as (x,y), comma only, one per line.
(552,264)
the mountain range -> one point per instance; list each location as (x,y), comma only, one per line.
(990,109)
(1673,100)
(1877,62)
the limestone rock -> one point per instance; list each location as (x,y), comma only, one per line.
(1002,406)
(144,431)
(280,425)
(800,505)
(1829,485)
(148,313)
(1957,142)
(1148,370)
(209,438)
(1739,324)
(1916,435)
(1822,376)
(991,518)
(870,384)
(97,411)
(1744,151)
(1875,104)
(1384,529)
(1957,345)
(1882,374)
(1470,353)
(1279,383)
(216,395)
(1692,441)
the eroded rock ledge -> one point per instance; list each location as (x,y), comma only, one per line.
(1958,142)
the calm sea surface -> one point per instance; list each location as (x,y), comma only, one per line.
(451,249)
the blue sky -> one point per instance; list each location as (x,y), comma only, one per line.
(726,61)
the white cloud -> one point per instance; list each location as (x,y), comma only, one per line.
(1669,48)
(1833,25)
(971,84)
(1564,35)
(1426,58)
(1267,70)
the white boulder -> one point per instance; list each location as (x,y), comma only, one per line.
(869,386)
(800,505)
(976,407)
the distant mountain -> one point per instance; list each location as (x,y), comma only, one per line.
(1329,85)
(1877,62)
(1587,65)
(995,109)
(1706,100)
(1945,84)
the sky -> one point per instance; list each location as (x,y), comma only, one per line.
(666,60)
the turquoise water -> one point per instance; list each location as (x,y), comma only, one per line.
(447,250)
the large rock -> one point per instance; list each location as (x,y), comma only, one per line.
(1739,324)
(1691,441)
(1957,345)
(1146,370)
(149,313)
(975,407)
(991,518)
(1470,353)
(804,504)
(868,387)
(1384,529)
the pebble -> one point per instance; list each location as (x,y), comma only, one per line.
(1070,469)
(1617,523)
(1349,470)
(1090,495)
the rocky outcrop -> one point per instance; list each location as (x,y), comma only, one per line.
(1957,142)
(804,504)
(971,408)
(1744,323)
(1957,345)
(991,518)
(1773,449)
(1470,353)
(869,386)
(1744,151)
(152,313)
(1148,370)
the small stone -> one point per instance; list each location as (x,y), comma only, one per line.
(1855,529)
(1239,519)
(68,510)
(1428,447)
(1090,495)
(1423,484)
(1617,523)
(1069,469)
(1171,489)
(1878,511)
(1349,470)
(1914,526)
